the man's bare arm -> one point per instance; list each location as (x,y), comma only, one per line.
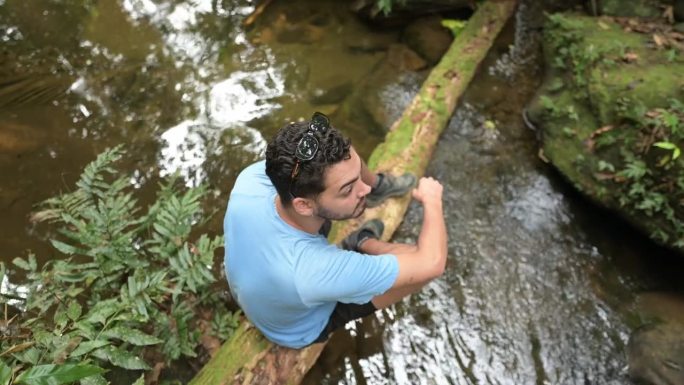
(374,246)
(427,259)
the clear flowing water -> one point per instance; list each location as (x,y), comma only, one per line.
(181,84)
(540,286)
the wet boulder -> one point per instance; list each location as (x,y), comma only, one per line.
(629,8)
(403,58)
(381,96)
(428,38)
(611,116)
(329,91)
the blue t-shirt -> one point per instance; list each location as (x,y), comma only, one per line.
(288,281)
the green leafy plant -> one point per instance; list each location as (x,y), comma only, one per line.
(650,183)
(132,290)
(455,26)
(668,146)
(635,170)
(385,6)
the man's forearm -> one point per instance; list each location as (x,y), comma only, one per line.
(432,241)
(376,247)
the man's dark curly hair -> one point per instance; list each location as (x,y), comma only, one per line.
(333,147)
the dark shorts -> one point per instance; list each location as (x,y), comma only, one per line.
(343,313)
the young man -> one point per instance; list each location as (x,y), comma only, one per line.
(290,282)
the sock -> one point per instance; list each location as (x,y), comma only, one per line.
(364,235)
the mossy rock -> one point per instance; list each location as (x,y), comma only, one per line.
(611,99)
(630,8)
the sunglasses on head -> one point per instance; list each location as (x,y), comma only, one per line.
(308,144)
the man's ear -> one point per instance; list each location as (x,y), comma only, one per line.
(303,206)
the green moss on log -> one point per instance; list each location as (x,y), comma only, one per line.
(243,346)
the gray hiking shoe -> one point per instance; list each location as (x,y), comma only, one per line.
(370,229)
(390,186)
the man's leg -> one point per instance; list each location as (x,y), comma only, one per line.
(344,313)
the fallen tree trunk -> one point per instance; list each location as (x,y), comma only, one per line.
(248,358)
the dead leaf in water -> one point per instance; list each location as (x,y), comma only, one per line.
(210,343)
(630,57)
(668,14)
(659,41)
(603,176)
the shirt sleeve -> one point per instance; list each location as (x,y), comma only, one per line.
(329,274)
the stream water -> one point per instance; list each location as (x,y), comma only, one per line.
(540,285)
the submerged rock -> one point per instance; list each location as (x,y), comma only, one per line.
(611,113)
(428,38)
(381,96)
(656,354)
(16,138)
(656,349)
(370,43)
(331,90)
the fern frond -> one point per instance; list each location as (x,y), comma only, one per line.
(92,178)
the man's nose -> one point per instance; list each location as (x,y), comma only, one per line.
(364,190)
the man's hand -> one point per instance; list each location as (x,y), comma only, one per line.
(429,191)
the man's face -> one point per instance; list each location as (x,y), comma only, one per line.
(345,192)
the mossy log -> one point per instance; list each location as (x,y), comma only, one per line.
(248,358)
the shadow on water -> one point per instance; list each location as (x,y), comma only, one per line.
(540,285)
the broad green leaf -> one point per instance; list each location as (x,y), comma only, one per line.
(60,317)
(57,374)
(21,263)
(74,310)
(665,145)
(87,347)
(94,380)
(132,287)
(5,374)
(74,291)
(132,336)
(120,358)
(29,356)
(32,262)
(676,153)
(103,310)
